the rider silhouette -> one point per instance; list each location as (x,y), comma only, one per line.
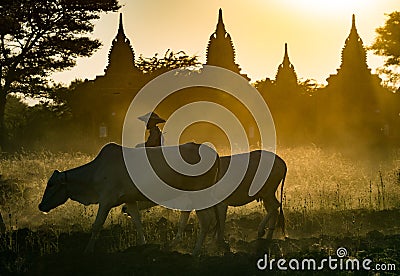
(155,137)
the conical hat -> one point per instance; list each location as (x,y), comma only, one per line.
(151,117)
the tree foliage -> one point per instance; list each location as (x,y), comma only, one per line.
(150,66)
(30,126)
(388,41)
(38,37)
(310,87)
(387,44)
(170,61)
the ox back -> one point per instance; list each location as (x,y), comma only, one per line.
(111,155)
(240,196)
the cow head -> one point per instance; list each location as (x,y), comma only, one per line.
(55,193)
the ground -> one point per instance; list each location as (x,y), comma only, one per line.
(65,250)
(330,201)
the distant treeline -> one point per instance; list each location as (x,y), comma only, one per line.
(303,114)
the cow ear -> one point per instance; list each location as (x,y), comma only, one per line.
(55,177)
(55,173)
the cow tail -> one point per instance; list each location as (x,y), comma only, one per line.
(281,218)
(217,228)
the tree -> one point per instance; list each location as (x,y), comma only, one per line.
(170,61)
(387,44)
(72,96)
(15,117)
(38,37)
(310,86)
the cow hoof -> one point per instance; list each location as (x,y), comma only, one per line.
(196,252)
(141,242)
(88,251)
(174,242)
(224,245)
(124,210)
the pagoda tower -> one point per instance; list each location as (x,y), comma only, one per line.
(351,104)
(220,49)
(354,66)
(286,75)
(101,104)
(121,58)
(354,87)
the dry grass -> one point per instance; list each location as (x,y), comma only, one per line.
(24,178)
(317,181)
(326,195)
(328,181)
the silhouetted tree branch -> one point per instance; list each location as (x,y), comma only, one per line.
(310,86)
(38,37)
(153,66)
(387,44)
(171,60)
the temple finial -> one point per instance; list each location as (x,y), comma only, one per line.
(286,51)
(353,21)
(220,16)
(121,26)
(286,74)
(220,31)
(286,60)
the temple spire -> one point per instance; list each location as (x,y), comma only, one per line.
(121,33)
(286,75)
(220,51)
(354,93)
(220,30)
(354,55)
(286,61)
(121,58)
(353,30)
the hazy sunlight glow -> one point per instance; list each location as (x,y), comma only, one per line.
(315,31)
(329,6)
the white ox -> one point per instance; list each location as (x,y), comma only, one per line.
(241,195)
(105,181)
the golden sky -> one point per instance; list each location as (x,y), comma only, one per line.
(315,31)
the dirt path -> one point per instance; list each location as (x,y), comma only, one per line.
(24,251)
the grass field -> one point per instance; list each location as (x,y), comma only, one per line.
(330,200)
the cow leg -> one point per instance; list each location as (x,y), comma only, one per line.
(222,209)
(2,225)
(262,225)
(272,206)
(132,209)
(101,217)
(183,218)
(205,218)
